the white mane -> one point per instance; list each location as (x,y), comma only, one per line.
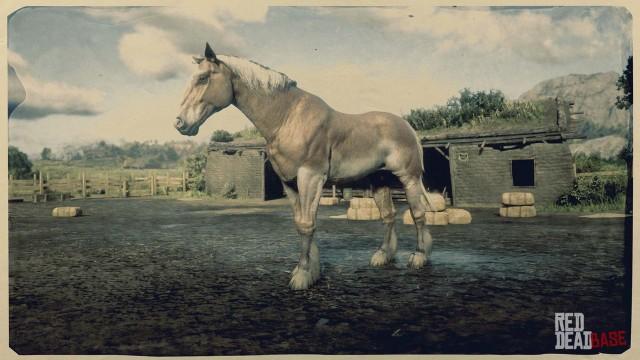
(257,76)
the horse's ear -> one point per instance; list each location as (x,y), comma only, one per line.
(197,60)
(209,54)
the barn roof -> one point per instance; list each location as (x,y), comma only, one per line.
(513,136)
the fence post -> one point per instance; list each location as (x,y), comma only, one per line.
(84,186)
(124,188)
(35,179)
(152,179)
(184,181)
(333,191)
(106,185)
(40,183)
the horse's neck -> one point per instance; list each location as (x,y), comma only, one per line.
(266,110)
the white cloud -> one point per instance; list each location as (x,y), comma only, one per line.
(533,35)
(163,39)
(16,60)
(148,51)
(48,98)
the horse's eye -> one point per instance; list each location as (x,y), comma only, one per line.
(203,79)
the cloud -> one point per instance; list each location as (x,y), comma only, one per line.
(544,36)
(16,60)
(49,98)
(162,40)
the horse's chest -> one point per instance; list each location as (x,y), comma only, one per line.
(281,164)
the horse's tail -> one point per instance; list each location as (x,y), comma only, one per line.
(427,199)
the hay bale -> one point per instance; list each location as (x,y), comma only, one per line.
(458,216)
(430,217)
(436,202)
(66,211)
(517,198)
(437,218)
(329,201)
(518,211)
(352,214)
(362,203)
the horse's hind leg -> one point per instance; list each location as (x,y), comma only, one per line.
(386,251)
(416,197)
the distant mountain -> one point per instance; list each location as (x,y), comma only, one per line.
(604,125)
(594,95)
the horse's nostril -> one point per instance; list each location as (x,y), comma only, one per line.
(179,123)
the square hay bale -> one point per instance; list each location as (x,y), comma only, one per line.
(458,216)
(362,203)
(431,218)
(517,198)
(364,213)
(352,214)
(329,201)
(436,202)
(518,211)
(66,211)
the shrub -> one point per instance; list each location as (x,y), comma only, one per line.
(221,136)
(229,191)
(195,166)
(19,163)
(594,190)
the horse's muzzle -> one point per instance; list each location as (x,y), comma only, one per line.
(184,128)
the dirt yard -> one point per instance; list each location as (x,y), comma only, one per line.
(169,277)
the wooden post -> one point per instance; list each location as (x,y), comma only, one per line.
(153,184)
(35,179)
(124,188)
(40,184)
(106,184)
(84,185)
(166,188)
(333,191)
(184,181)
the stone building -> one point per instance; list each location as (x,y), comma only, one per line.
(243,167)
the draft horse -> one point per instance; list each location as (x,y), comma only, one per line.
(310,144)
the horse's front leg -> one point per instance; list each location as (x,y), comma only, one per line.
(309,191)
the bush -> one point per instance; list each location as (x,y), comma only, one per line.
(19,163)
(195,166)
(229,191)
(221,136)
(594,190)
(593,163)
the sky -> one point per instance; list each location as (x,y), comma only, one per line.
(118,73)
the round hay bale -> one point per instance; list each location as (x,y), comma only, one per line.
(329,201)
(66,211)
(437,218)
(430,217)
(458,216)
(518,211)
(517,198)
(436,202)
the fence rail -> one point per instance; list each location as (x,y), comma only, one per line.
(97,185)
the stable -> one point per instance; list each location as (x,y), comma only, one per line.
(241,169)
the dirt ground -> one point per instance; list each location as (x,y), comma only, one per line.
(169,277)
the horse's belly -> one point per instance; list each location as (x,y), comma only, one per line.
(351,169)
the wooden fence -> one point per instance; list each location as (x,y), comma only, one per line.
(97,185)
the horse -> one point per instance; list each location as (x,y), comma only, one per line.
(309,144)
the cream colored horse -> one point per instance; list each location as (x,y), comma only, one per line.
(308,144)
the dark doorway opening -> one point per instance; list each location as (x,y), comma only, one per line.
(437,175)
(523,172)
(272,185)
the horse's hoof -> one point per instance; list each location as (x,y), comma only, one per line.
(301,279)
(379,258)
(417,260)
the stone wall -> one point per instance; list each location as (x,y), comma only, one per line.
(479,178)
(243,167)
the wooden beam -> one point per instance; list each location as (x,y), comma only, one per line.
(442,153)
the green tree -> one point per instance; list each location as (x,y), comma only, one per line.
(221,136)
(195,166)
(19,163)
(625,83)
(46,154)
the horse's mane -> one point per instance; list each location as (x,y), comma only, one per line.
(257,76)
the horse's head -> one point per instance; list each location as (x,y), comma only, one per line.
(209,90)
